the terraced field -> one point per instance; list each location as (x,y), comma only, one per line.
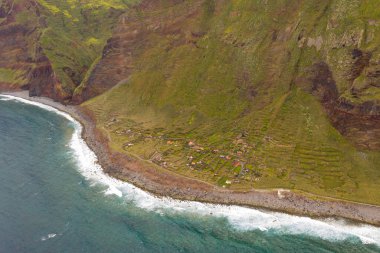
(295,148)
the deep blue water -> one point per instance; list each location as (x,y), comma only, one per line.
(49,203)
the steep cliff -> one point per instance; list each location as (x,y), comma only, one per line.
(23,65)
(49,46)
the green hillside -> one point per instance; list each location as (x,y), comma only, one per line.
(230,105)
(239,93)
(76,34)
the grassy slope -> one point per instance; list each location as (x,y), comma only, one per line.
(11,76)
(16,76)
(75,35)
(233,96)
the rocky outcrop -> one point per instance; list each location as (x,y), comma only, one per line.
(359,122)
(42,80)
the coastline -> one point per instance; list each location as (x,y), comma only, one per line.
(162,182)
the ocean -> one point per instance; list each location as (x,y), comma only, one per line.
(54,197)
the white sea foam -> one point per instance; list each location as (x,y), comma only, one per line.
(240,218)
(49,236)
(5,99)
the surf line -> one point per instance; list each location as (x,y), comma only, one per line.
(240,218)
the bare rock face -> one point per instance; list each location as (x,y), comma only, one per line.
(14,53)
(21,53)
(42,80)
(359,122)
(133,34)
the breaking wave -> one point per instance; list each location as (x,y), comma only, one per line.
(240,218)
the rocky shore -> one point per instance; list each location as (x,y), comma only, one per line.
(162,182)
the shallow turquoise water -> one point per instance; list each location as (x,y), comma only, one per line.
(49,202)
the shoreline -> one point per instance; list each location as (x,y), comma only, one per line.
(164,183)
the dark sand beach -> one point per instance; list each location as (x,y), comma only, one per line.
(162,182)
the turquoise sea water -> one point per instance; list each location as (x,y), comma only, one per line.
(54,198)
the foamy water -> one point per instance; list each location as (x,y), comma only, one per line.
(49,236)
(240,218)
